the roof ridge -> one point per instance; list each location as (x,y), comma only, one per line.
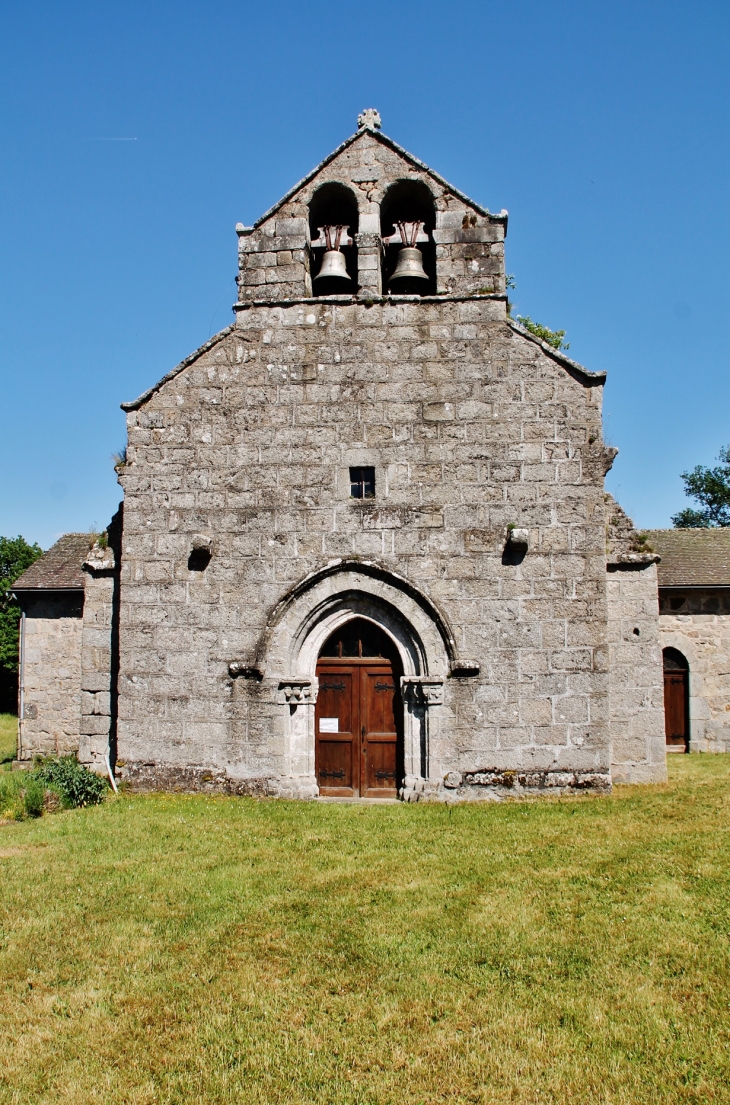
(502,216)
(135,404)
(568,362)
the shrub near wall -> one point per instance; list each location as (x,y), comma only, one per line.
(52,784)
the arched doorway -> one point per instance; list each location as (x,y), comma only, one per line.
(359,714)
(676,700)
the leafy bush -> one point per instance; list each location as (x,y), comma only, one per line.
(64,781)
(76,785)
(33,796)
(552,337)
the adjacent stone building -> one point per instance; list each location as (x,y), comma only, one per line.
(694,627)
(51,596)
(69,649)
(366,548)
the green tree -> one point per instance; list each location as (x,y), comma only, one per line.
(15,556)
(711,488)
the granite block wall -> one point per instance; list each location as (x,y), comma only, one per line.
(697,622)
(52,675)
(471,427)
(100,651)
(638,753)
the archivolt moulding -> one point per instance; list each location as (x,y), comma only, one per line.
(400,604)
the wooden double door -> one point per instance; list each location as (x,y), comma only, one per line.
(358,717)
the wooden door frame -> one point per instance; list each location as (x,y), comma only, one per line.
(683,670)
(684,673)
(356,663)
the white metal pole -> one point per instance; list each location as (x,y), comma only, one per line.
(21,681)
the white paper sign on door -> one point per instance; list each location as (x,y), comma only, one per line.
(329,725)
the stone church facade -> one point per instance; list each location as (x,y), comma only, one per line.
(365,547)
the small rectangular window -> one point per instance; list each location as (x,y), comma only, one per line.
(362,483)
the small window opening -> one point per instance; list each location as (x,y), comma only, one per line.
(362,483)
(199,560)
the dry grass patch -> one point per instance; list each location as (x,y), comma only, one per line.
(172,949)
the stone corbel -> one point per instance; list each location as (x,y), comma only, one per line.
(100,558)
(422,690)
(517,540)
(297,692)
(240,669)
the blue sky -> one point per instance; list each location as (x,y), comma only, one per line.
(135,136)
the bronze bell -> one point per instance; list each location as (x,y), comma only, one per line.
(410,265)
(333,265)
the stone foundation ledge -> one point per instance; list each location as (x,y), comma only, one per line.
(145,777)
(496,785)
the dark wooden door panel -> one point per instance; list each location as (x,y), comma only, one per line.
(334,768)
(379,697)
(382,768)
(358,716)
(336,718)
(675,708)
(335,698)
(379,693)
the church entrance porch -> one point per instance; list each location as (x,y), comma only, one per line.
(358,659)
(359,714)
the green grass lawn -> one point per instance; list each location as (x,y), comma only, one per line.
(8,737)
(182,949)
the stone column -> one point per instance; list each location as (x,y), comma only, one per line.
(300,695)
(419,694)
(369,276)
(100,652)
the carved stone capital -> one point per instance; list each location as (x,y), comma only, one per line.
(422,690)
(297,692)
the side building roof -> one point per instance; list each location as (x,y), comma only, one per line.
(692,557)
(60,568)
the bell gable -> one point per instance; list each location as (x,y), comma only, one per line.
(383,199)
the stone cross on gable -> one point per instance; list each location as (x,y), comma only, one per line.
(369,119)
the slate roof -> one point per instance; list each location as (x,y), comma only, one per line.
(692,557)
(59,569)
